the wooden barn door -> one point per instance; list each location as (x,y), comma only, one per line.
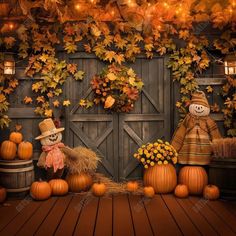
(115,137)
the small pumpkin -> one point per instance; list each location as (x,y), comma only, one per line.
(16,137)
(99,189)
(211,192)
(181,191)
(132,186)
(25,150)
(8,150)
(59,187)
(3,194)
(149,191)
(40,190)
(79,182)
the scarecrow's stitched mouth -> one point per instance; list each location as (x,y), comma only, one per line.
(53,139)
(199,111)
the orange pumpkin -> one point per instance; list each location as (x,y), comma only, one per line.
(181,191)
(16,137)
(195,177)
(40,190)
(79,182)
(211,192)
(161,177)
(8,150)
(3,194)
(59,187)
(132,186)
(25,150)
(149,192)
(99,189)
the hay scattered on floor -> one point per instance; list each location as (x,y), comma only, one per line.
(80,159)
(114,187)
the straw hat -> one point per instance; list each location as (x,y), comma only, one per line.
(199,98)
(47,127)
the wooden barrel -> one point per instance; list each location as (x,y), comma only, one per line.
(16,176)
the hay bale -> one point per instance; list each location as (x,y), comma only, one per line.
(80,159)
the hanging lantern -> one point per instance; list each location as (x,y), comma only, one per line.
(230,64)
(9,65)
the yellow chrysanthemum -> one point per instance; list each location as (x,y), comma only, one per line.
(159,155)
(167,143)
(148,161)
(159,162)
(142,160)
(155,151)
(146,166)
(152,163)
(165,162)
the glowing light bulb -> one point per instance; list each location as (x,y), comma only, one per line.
(166,5)
(112,12)
(77,6)
(11,26)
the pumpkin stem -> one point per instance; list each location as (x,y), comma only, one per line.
(18,127)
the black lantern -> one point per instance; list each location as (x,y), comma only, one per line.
(9,65)
(230,64)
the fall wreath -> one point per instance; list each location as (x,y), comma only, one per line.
(117,88)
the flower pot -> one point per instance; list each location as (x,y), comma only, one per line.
(162,178)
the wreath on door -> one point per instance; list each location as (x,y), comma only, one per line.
(117,88)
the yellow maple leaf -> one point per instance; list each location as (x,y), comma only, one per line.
(110,55)
(48,112)
(28,100)
(40,99)
(56,103)
(111,76)
(209,89)
(183,34)
(66,103)
(178,104)
(13,83)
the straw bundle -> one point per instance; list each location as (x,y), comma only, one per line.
(224,148)
(80,159)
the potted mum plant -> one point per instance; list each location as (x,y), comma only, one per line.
(158,159)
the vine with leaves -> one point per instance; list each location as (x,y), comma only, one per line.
(119,32)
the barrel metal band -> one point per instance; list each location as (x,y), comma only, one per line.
(16,170)
(17,190)
(8,163)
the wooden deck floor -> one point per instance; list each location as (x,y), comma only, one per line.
(118,215)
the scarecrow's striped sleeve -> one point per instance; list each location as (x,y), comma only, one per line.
(213,129)
(179,135)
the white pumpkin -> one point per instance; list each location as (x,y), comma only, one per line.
(199,110)
(51,139)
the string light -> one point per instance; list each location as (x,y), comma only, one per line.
(166,5)
(77,6)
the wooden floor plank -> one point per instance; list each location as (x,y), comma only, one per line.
(24,215)
(185,224)
(9,211)
(70,218)
(223,213)
(193,212)
(87,220)
(122,219)
(31,226)
(220,226)
(140,219)
(104,218)
(51,222)
(161,219)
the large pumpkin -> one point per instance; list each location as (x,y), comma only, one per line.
(16,137)
(25,150)
(195,177)
(161,177)
(79,182)
(8,150)
(3,194)
(59,187)
(40,190)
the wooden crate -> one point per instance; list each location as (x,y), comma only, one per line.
(222,172)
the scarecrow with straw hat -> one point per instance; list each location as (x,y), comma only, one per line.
(56,156)
(194,134)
